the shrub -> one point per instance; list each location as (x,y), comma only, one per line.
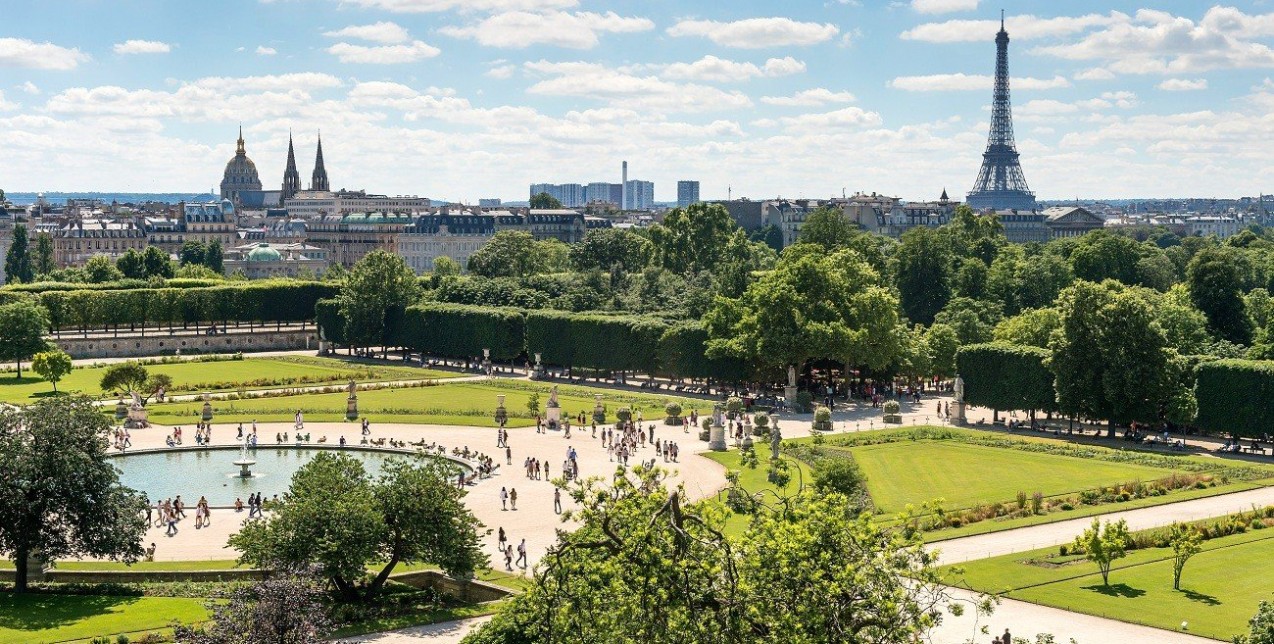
(761,419)
(1037,503)
(822,419)
(892,407)
(672,413)
(804,402)
(624,414)
(734,406)
(840,475)
(1021,500)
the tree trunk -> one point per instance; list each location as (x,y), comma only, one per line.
(19,369)
(1111,431)
(20,570)
(346,589)
(380,579)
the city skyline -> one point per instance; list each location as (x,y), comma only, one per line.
(461,101)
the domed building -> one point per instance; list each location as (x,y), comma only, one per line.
(240,176)
(263,260)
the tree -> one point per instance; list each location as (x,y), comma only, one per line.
(192,252)
(17,263)
(1261,626)
(770,235)
(508,253)
(131,264)
(1100,255)
(642,556)
(379,288)
(289,609)
(214,257)
(606,248)
(1032,327)
(973,320)
(22,326)
(52,365)
(692,239)
(124,378)
(101,269)
(1103,544)
(545,201)
(335,517)
(157,263)
(60,496)
(1186,542)
(1216,288)
(828,227)
(43,260)
(943,343)
(924,274)
(446,267)
(1043,278)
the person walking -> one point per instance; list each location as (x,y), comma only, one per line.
(502,541)
(508,558)
(522,554)
(513,499)
(504,505)
(557,500)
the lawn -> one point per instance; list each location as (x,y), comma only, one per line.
(964,475)
(459,403)
(223,375)
(57,618)
(1221,586)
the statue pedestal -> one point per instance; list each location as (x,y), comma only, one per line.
(789,394)
(137,418)
(207,412)
(351,407)
(553,417)
(957,413)
(716,438)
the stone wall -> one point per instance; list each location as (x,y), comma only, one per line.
(134,346)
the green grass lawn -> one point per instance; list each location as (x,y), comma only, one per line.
(222,375)
(1221,586)
(459,403)
(57,618)
(966,475)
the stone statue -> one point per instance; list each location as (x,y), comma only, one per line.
(776,437)
(959,388)
(791,376)
(351,387)
(137,399)
(553,397)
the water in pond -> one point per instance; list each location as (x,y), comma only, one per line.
(212,472)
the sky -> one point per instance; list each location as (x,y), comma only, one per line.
(465,99)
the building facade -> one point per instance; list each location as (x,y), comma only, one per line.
(263,260)
(1071,221)
(456,236)
(76,241)
(640,194)
(312,204)
(687,193)
(349,238)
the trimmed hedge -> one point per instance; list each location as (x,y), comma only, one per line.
(262,301)
(119,285)
(682,350)
(1006,377)
(1236,396)
(617,343)
(458,331)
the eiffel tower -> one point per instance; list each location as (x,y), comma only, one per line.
(1001,184)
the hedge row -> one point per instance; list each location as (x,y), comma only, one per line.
(261,301)
(119,285)
(1236,396)
(611,343)
(1006,377)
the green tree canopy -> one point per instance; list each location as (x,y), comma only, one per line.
(1216,288)
(925,275)
(379,288)
(545,201)
(60,495)
(605,248)
(22,326)
(192,252)
(214,257)
(17,262)
(692,239)
(101,269)
(43,262)
(338,518)
(509,253)
(157,263)
(52,365)
(827,227)
(131,264)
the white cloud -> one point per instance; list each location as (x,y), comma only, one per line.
(592,80)
(1158,42)
(1095,74)
(809,98)
(385,32)
(142,47)
(433,6)
(1183,84)
(6,106)
(303,81)
(757,33)
(849,117)
(966,82)
(30,88)
(713,69)
(384,54)
(20,52)
(501,72)
(943,6)
(262,50)
(520,29)
(1022,27)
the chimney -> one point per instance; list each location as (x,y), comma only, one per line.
(623,188)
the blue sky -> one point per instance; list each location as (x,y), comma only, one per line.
(462,99)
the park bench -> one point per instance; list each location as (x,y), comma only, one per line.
(1254,449)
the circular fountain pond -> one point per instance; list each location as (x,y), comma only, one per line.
(212,472)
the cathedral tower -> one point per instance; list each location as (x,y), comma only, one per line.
(318,181)
(291,178)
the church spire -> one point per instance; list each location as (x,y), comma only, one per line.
(240,149)
(291,178)
(318,181)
